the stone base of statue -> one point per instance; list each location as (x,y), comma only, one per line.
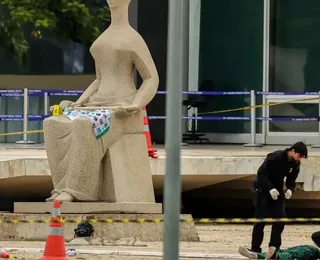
(109,229)
(88,208)
(126,171)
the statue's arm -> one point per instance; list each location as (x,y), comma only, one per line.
(91,89)
(144,64)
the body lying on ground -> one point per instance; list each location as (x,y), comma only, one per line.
(302,252)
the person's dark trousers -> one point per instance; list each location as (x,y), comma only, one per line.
(266,207)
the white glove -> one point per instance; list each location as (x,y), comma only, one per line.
(288,194)
(274,194)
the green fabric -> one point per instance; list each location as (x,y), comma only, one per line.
(304,252)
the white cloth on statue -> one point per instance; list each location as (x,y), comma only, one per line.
(100,119)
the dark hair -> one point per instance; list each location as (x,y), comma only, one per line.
(300,148)
(316,238)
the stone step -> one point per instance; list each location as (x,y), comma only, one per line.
(35,226)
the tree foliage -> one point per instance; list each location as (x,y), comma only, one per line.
(77,20)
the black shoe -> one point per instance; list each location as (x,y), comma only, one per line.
(255,251)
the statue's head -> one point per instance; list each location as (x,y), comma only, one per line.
(113,4)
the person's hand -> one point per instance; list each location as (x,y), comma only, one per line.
(274,194)
(288,194)
(127,110)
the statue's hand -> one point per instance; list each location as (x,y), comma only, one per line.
(66,104)
(127,110)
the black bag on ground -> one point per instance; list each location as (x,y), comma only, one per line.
(84,229)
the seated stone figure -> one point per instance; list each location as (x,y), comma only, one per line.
(74,149)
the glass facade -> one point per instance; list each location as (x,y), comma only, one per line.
(297,111)
(295,46)
(14,105)
(47,56)
(231,58)
(295,59)
(230,55)
(233,40)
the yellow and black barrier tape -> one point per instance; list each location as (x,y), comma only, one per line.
(160,220)
(199,114)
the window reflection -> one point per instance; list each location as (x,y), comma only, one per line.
(295,46)
(50,55)
(231,47)
(295,59)
(73,57)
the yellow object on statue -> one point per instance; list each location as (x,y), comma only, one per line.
(57,111)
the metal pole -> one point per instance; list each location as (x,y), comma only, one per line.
(253,122)
(2,130)
(25,113)
(266,64)
(186,59)
(25,118)
(46,103)
(172,185)
(318,145)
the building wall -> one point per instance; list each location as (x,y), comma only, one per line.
(230,59)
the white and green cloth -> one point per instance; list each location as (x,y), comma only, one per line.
(100,119)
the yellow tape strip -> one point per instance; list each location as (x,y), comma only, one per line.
(158,220)
(259,106)
(204,113)
(21,133)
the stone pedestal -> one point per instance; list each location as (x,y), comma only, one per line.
(107,227)
(88,208)
(126,172)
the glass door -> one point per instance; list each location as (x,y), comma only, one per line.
(294,67)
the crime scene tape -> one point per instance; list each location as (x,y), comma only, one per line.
(204,113)
(21,133)
(258,106)
(160,220)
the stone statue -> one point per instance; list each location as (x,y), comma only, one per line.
(75,153)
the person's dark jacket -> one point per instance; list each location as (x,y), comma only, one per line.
(273,170)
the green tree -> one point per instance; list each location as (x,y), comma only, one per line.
(77,20)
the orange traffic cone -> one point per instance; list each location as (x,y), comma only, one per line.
(56,212)
(151,151)
(4,254)
(55,249)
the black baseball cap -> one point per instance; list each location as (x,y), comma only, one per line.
(300,148)
(316,238)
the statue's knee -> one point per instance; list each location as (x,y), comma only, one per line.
(81,125)
(56,126)
(49,124)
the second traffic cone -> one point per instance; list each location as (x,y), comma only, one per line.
(146,131)
(55,249)
(4,254)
